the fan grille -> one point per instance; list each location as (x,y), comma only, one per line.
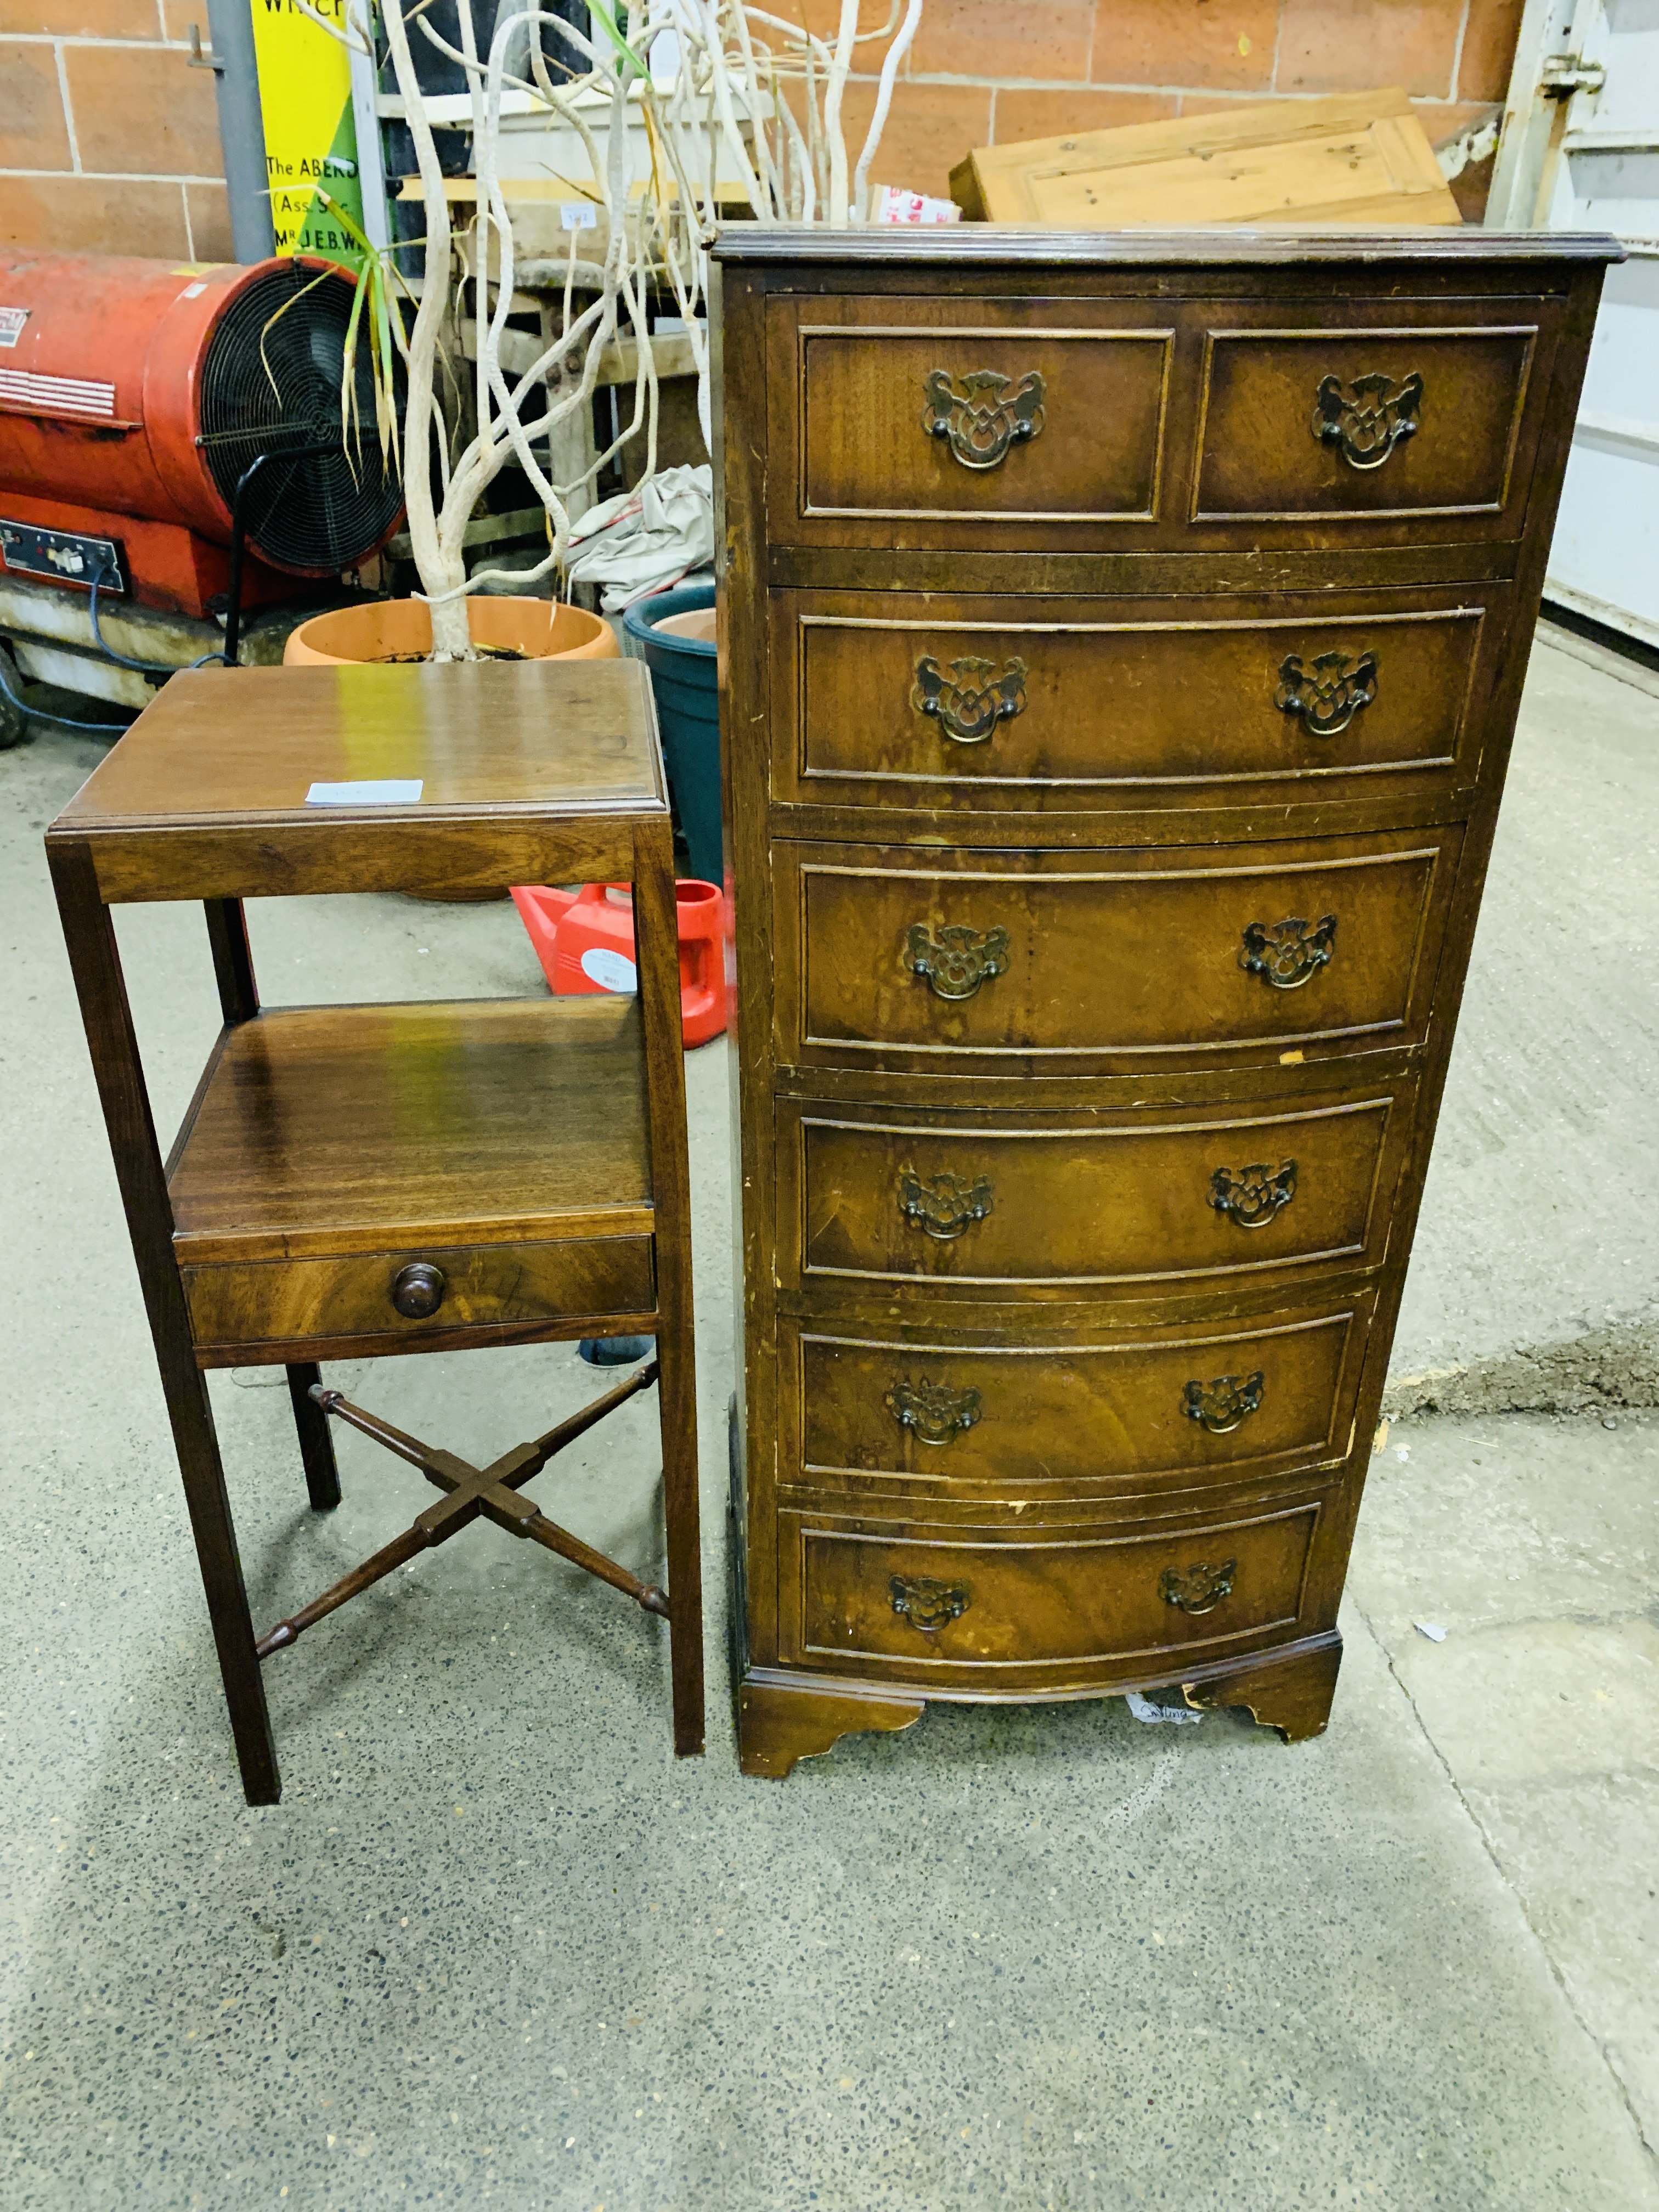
(310,515)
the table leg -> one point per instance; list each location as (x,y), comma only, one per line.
(89,935)
(656,927)
(233,962)
(316,1440)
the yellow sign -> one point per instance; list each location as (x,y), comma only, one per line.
(311,136)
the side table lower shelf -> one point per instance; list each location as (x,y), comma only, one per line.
(500,1146)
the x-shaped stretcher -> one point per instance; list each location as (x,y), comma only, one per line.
(492,1490)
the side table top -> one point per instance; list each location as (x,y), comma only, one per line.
(539,736)
(205,795)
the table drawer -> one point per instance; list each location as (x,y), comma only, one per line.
(922,418)
(1408,417)
(1081,1597)
(479,1286)
(968,1422)
(970,960)
(1068,706)
(1135,1200)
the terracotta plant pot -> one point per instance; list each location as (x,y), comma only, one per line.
(539,628)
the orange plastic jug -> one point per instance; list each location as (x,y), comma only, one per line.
(585,942)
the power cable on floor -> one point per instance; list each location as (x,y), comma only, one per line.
(45,714)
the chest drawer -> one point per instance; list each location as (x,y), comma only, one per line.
(414,1297)
(1127,1203)
(973,960)
(971,1423)
(1064,706)
(1067,707)
(1344,422)
(909,415)
(1077,1598)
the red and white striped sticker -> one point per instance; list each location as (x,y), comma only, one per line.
(57,395)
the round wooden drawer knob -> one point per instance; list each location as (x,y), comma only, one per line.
(418,1291)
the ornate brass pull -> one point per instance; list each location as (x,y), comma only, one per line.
(984,416)
(927,1605)
(1368,420)
(1287,954)
(932,1411)
(942,1205)
(1224,1404)
(958,960)
(1197,1589)
(1326,696)
(969,702)
(1252,1196)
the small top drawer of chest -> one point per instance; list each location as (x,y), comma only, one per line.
(923,421)
(1062,421)
(1339,423)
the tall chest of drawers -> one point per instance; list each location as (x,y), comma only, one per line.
(1121,645)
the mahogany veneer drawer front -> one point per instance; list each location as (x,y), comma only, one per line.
(1121,638)
(906,421)
(915,450)
(1174,1408)
(1131,1200)
(418,1295)
(1404,418)
(889,955)
(1004,1606)
(1070,705)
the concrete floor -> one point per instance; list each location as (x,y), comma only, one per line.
(495,1944)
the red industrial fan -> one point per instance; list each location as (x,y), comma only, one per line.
(137,400)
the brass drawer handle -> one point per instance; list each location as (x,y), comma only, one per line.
(927,1605)
(418,1291)
(1251,1196)
(1326,697)
(958,960)
(1288,952)
(933,1412)
(942,1205)
(984,418)
(1198,1588)
(1223,1404)
(969,702)
(1368,419)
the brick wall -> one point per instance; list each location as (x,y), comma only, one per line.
(990,72)
(109,140)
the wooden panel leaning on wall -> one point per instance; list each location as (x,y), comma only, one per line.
(1099,942)
(1359,160)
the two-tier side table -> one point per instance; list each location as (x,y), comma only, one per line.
(355,1181)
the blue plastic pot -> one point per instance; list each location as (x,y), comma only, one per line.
(685,678)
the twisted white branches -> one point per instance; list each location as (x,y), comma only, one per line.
(724,121)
